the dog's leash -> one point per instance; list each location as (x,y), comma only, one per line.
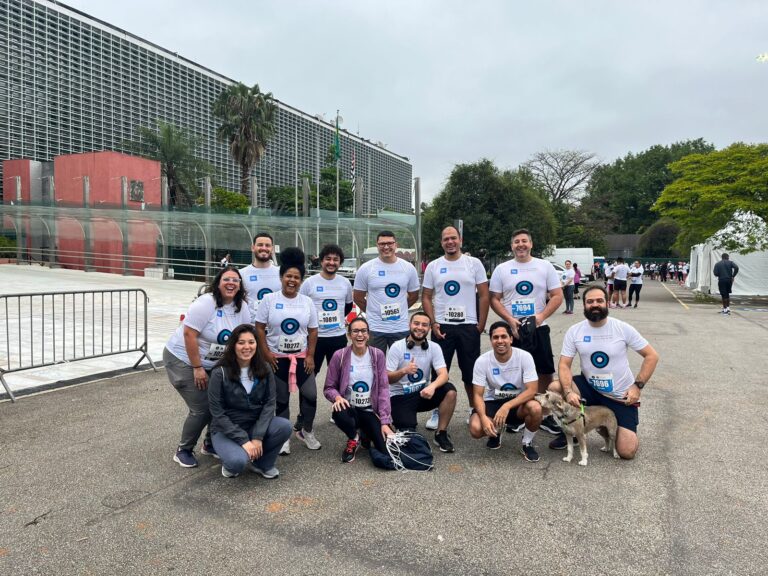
(581,415)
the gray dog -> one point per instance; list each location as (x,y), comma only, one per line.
(577,422)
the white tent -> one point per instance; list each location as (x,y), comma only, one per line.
(752,279)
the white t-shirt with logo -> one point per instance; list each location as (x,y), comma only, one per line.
(524,285)
(387,286)
(635,270)
(620,272)
(603,354)
(608,271)
(360,381)
(287,321)
(504,380)
(215,326)
(330,298)
(259,282)
(567,274)
(455,288)
(399,355)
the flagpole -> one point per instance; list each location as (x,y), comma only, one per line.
(338,157)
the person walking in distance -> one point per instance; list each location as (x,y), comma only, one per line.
(726,271)
(636,282)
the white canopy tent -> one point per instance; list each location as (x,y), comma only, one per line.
(752,279)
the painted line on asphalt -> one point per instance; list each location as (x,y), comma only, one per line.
(683,304)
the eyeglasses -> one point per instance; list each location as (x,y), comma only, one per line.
(359,330)
(231,280)
(385,244)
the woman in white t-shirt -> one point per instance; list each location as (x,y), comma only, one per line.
(193,350)
(286,326)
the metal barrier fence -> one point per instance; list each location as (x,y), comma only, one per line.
(50,328)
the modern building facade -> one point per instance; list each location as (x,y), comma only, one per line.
(70,83)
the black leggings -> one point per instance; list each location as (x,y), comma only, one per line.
(350,419)
(307,392)
(634,289)
(325,348)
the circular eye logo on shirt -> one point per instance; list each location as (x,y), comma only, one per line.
(289,326)
(524,288)
(452,288)
(599,359)
(360,387)
(507,387)
(223,336)
(416,377)
(330,305)
(263,292)
(392,290)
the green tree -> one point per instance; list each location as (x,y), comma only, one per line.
(282,199)
(246,118)
(232,202)
(619,196)
(492,204)
(710,188)
(659,239)
(175,149)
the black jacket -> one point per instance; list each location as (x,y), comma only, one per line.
(239,416)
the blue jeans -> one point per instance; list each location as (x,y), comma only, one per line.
(234,457)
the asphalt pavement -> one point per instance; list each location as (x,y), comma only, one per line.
(88,485)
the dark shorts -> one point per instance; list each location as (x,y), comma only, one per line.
(620,285)
(405,407)
(384,340)
(627,416)
(724,287)
(493,406)
(464,341)
(541,351)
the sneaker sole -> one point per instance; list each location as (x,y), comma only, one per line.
(180,463)
(549,430)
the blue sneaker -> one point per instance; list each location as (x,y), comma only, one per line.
(185,458)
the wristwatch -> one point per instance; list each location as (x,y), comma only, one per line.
(640,384)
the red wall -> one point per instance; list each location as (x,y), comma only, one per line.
(13,168)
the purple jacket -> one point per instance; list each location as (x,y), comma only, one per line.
(337,380)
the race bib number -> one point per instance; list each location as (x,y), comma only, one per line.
(289,344)
(329,319)
(415,387)
(215,351)
(602,382)
(524,307)
(361,399)
(505,394)
(455,313)
(390,312)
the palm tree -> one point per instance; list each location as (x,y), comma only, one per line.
(247,123)
(175,149)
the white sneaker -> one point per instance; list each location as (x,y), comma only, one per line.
(227,474)
(433,420)
(309,439)
(286,449)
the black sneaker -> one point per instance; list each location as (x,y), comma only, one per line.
(560,443)
(443,441)
(549,424)
(348,455)
(185,458)
(515,428)
(494,443)
(529,453)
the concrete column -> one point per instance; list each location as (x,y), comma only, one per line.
(208,256)
(165,202)
(87,229)
(124,224)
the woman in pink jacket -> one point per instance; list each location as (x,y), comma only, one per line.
(358,386)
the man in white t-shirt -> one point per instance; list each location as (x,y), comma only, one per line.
(608,275)
(455,296)
(606,378)
(261,277)
(332,296)
(636,273)
(385,288)
(505,383)
(527,289)
(410,363)
(620,274)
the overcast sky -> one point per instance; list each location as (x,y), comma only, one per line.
(447,81)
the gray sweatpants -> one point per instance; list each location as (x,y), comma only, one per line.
(182,378)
